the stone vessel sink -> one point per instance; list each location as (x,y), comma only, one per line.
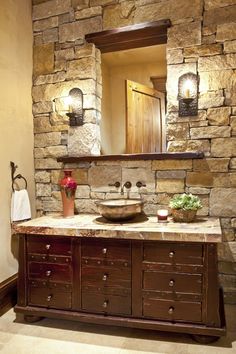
(120,209)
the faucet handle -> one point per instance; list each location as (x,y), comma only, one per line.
(128,185)
(140,184)
(116,184)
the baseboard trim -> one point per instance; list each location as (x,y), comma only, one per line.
(8,293)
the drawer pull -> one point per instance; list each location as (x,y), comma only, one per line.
(171,254)
(104,251)
(49,298)
(105,304)
(48,273)
(105,277)
(171,310)
(171,282)
(48,247)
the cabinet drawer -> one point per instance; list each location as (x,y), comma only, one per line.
(111,304)
(173,253)
(177,282)
(49,258)
(106,276)
(172,310)
(49,245)
(106,249)
(50,272)
(49,298)
(50,285)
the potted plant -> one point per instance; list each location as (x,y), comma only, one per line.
(184,207)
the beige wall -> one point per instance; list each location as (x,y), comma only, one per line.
(16,123)
(115,96)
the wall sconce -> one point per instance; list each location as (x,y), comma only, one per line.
(188,95)
(75,102)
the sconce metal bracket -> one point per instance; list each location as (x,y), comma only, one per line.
(76,113)
(188,106)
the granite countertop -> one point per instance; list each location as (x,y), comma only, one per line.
(204,229)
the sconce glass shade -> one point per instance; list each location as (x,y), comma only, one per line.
(188,95)
(75,101)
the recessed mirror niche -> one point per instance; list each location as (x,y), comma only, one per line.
(133,100)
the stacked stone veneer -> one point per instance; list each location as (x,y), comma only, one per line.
(202,39)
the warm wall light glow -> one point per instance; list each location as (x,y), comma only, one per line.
(68,100)
(187,89)
(75,104)
(188,95)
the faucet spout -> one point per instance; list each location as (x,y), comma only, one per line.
(126,185)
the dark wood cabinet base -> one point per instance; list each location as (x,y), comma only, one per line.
(162,286)
(200,333)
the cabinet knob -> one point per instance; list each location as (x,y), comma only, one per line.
(171,282)
(49,298)
(171,310)
(105,277)
(105,304)
(48,273)
(104,251)
(48,247)
(171,254)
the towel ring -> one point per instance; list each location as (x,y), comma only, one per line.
(18,177)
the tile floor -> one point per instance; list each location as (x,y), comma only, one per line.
(51,336)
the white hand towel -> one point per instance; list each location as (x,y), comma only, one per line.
(20,206)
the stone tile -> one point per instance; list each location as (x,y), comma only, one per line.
(210,132)
(88,12)
(189,145)
(51,8)
(223,202)
(99,177)
(184,36)
(140,174)
(75,30)
(220,15)
(226,32)
(200,179)
(217,62)
(218,116)
(170,185)
(172,164)
(174,10)
(212,4)
(47,23)
(47,139)
(203,50)
(211,99)
(230,46)
(84,140)
(43,59)
(223,147)
(174,56)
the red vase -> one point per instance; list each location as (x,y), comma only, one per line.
(68,187)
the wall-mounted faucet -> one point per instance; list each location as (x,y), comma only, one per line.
(116,184)
(140,184)
(126,185)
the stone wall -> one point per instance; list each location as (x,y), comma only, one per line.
(202,39)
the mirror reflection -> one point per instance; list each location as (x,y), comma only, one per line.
(133,100)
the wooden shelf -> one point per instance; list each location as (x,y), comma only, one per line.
(134,36)
(149,156)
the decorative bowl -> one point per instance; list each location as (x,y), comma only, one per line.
(120,209)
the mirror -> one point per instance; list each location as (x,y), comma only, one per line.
(133,102)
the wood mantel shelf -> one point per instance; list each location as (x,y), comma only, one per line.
(146,156)
(133,36)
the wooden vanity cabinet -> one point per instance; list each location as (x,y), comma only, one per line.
(160,285)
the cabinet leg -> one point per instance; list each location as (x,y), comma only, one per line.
(204,339)
(31,318)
